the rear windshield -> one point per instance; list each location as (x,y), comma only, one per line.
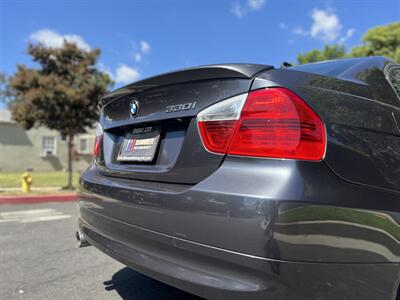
(331,68)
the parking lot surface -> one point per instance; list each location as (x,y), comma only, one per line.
(39,259)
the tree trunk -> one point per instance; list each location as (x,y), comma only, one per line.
(70,147)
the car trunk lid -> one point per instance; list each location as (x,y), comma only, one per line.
(167,109)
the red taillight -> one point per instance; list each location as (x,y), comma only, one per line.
(217,123)
(97,146)
(217,134)
(98,141)
(274,122)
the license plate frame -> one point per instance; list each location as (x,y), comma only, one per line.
(140,145)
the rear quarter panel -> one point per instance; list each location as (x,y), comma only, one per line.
(363,139)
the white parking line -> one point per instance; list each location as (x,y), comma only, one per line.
(32,215)
(26,212)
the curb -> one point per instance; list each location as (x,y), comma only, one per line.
(38,198)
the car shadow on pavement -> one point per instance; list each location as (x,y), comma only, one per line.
(130,284)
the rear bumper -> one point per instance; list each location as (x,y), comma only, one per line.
(215,273)
(279,230)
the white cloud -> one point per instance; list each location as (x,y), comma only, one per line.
(283,25)
(299,31)
(349,34)
(326,26)
(137,56)
(240,9)
(53,39)
(255,4)
(102,67)
(140,50)
(144,47)
(125,74)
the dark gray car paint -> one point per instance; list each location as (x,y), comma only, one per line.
(209,72)
(218,274)
(267,228)
(240,207)
(363,138)
(181,148)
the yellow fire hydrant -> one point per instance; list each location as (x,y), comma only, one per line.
(26,182)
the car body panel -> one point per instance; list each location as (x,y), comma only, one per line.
(232,227)
(180,148)
(363,137)
(219,274)
(208,72)
(238,213)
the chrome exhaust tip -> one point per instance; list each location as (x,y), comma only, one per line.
(82,242)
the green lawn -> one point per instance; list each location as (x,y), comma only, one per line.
(57,179)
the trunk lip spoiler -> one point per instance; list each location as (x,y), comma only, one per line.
(207,72)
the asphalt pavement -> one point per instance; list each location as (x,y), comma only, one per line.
(39,259)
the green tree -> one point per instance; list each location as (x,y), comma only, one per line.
(381,40)
(61,94)
(329,52)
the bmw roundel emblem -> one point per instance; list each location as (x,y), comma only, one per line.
(134,107)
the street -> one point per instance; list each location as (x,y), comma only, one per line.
(39,259)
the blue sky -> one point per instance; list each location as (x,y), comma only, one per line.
(143,38)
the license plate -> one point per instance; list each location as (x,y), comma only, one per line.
(140,145)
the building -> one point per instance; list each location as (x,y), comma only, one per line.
(40,149)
